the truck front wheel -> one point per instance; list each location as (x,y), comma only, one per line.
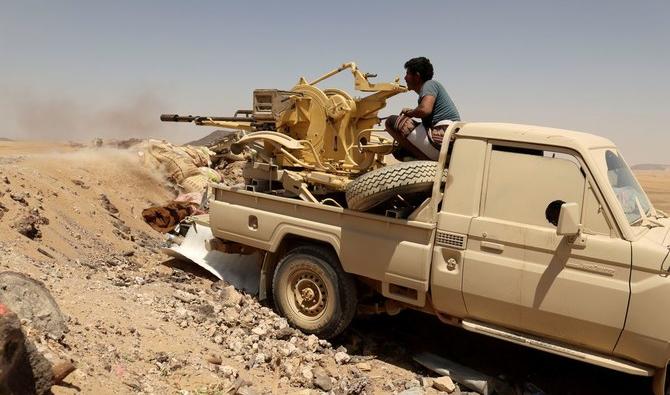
(313,292)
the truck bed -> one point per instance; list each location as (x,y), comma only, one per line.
(396,252)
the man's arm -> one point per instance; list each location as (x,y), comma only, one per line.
(424,109)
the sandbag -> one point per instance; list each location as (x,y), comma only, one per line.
(177,164)
(196,183)
(211,174)
(201,156)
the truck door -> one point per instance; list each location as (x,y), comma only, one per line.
(519,273)
(459,205)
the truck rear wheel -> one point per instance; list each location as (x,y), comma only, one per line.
(313,292)
(378,186)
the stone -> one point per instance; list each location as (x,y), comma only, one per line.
(284,333)
(412,383)
(426,382)
(288,369)
(19,197)
(324,343)
(388,386)
(108,204)
(185,297)
(364,366)
(80,183)
(231,296)
(214,359)
(259,359)
(445,384)
(229,371)
(287,349)
(412,391)
(260,331)
(321,379)
(246,391)
(342,357)
(312,343)
(29,226)
(181,313)
(355,385)
(235,346)
(306,373)
(32,301)
(162,357)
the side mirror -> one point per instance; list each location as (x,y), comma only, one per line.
(568,220)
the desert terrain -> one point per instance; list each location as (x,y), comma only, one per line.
(657,185)
(140,322)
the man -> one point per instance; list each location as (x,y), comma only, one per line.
(436,110)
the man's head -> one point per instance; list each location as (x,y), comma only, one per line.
(418,70)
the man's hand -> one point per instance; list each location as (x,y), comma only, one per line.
(424,109)
(404,125)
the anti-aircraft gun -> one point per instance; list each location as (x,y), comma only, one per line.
(308,141)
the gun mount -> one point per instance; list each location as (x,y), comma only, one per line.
(322,138)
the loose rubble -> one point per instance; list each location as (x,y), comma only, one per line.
(445,384)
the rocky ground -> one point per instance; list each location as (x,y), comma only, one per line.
(139,322)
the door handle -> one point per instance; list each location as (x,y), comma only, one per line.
(493,246)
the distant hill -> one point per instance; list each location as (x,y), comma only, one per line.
(211,138)
(5,139)
(650,166)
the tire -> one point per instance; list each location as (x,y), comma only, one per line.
(377,186)
(332,292)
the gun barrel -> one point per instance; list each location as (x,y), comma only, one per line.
(176,118)
(198,118)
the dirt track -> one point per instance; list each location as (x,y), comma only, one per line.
(129,334)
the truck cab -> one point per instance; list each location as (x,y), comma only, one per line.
(509,188)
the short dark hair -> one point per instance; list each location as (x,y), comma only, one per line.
(420,66)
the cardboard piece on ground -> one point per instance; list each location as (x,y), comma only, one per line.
(241,271)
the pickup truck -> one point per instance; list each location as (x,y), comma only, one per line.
(538,236)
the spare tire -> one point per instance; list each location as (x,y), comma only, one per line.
(377,186)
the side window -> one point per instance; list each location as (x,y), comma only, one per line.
(529,186)
(594,220)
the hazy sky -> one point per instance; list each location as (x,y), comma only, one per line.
(80,70)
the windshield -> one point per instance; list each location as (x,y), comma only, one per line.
(624,184)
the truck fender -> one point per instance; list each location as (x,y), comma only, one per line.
(288,232)
(283,242)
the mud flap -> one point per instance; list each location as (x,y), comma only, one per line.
(241,271)
(659,381)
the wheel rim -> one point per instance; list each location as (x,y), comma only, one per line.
(307,293)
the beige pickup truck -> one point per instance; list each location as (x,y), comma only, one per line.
(538,236)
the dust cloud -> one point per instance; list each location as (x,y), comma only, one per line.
(39,116)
